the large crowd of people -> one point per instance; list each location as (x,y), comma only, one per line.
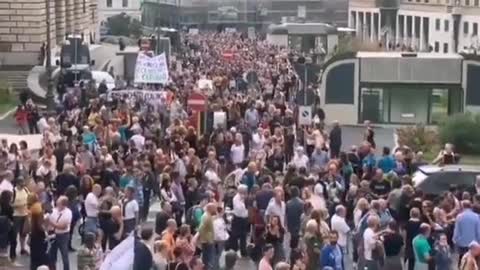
(257,186)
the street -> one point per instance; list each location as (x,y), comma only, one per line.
(350,136)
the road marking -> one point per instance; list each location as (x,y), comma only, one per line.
(5,115)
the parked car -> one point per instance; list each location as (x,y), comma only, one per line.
(435,180)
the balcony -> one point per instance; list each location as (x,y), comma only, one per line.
(387,4)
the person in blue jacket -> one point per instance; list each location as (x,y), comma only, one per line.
(332,254)
(386,162)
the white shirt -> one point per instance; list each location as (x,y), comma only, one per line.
(6,185)
(131,210)
(138,140)
(300,161)
(91,205)
(257,141)
(357,215)
(369,243)
(275,209)
(61,217)
(239,208)
(220,229)
(166,197)
(212,176)
(339,224)
(318,190)
(237,153)
(42,124)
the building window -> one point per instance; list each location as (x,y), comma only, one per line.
(124,3)
(437,24)
(476,3)
(446,25)
(465,28)
(109,3)
(84,6)
(475,29)
(467,2)
(437,46)
(445,47)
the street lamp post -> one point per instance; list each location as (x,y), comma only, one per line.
(49,96)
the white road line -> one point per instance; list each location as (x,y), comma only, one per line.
(5,115)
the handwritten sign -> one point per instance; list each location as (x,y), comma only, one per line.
(151,69)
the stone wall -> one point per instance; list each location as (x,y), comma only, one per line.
(23,26)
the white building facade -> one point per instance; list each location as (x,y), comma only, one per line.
(442,26)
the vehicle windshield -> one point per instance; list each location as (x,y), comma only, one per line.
(418,177)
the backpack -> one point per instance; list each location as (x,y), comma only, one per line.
(190,218)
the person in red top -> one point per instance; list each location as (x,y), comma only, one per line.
(21,118)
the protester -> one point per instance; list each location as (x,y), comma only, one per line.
(239,173)
(60,221)
(421,247)
(469,259)
(86,255)
(332,254)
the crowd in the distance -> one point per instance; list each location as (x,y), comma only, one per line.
(256,186)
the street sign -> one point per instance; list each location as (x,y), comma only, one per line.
(305,99)
(197,102)
(304,115)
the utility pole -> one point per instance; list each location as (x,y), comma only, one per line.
(49,96)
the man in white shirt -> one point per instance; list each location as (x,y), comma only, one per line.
(276,207)
(60,221)
(130,210)
(240,223)
(339,224)
(300,160)
(237,151)
(138,138)
(370,241)
(91,209)
(258,140)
